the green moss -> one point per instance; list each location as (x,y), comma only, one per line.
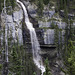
(63,71)
(45,28)
(1,66)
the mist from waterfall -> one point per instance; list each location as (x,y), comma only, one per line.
(35,44)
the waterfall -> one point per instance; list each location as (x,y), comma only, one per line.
(35,44)
(6,29)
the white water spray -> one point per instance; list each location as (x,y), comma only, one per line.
(35,44)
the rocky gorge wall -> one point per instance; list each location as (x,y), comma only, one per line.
(18,32)
(46,31)
(14,23)
(48,27)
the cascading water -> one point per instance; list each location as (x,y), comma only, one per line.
(35,44)
(6,28)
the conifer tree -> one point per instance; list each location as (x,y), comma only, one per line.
(40,7)
(13,3)
(46,1)
(47,72)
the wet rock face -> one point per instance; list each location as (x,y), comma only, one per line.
(39,33)
(26,37)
